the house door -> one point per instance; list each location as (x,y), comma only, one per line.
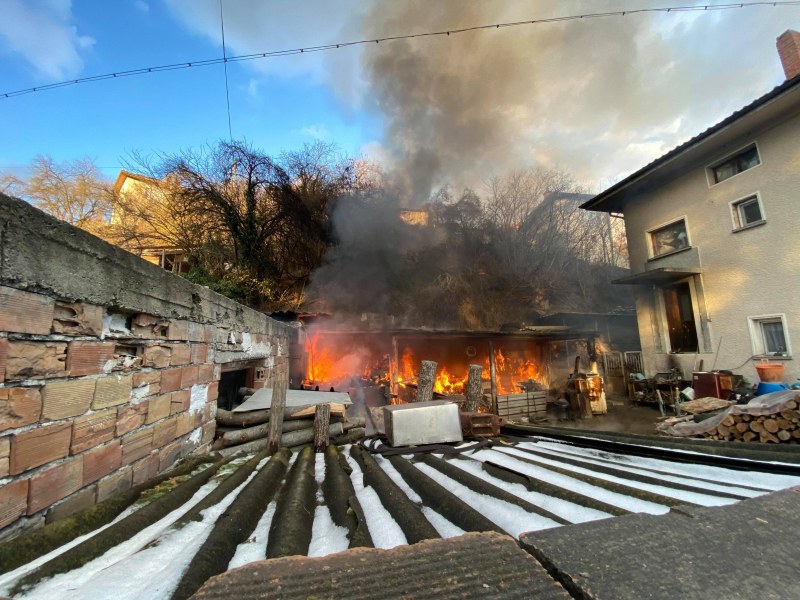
(614,372)
(680,318)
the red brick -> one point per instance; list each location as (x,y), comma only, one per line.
(158,408)
(131,417)
(101,461)
(19,407)
(88,358)
(62,399)
(181,355)
(13,501)
(77,502)
(112,391)
(29,360)
(136,445)
(51,485)
(168,455)
(92,430)
(78,319)
(157,356)
(3,358)
(165,432)
(5,454)
(205,374)
(145,470)
(24,312)
(39,446)
(149,378)
(171,380)
(213,391)
(189,377)
(116,483)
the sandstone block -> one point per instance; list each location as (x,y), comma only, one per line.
(158,408)
(157,356)
(55,483)
(213,391)
(178,330)
(185,424)
(189,377)
(88,358)
(205,374)
(75,503)
(101,461)
(24,312)
(168,455)
(150,378)
(179,401)
(5,455)
(35,360)
(131,417)
(146,469)
(171,380)
(62,399)
(197,332)
(115,483)
(181,355)
(3,358)
(165,432)
(39,446)
(137,445)
(92,430)
(13,501)
(112,391)
(149,326)
(78,319)
(199,353)
(19,407)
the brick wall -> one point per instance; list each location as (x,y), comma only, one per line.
(109,366)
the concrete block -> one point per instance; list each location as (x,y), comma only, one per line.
(158,408)
(53,484)
(179,401)
(131,417)
(181,355)
(78,318)
(24,312)
(137,445)
(115,483)
(171,380)
(62,399)
(35,360)
(89,431)
(101,461)
(39,446)
(157,356)
(19,407)
(75,503)
(13,501)
(146,469)
(112,391)
(88,358)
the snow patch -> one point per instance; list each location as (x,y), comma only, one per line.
(198,398)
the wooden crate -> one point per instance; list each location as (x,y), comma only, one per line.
(525,404)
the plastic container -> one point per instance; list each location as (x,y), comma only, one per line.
(770,372)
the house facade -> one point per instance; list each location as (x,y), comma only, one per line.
(713,230)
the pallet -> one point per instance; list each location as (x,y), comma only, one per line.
(526,404)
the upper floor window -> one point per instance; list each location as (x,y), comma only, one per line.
(744,160)
(746,212)
(669,238)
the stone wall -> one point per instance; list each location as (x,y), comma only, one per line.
(109,366)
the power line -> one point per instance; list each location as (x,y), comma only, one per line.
(225,62)
(334,46)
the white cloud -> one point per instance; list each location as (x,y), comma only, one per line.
(43,33)
(317,132)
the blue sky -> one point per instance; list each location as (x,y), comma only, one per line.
(596,98)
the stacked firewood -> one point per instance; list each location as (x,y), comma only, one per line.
(778,427)
(246,432)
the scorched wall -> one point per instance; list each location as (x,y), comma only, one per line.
(109,366)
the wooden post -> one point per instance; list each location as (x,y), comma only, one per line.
(425,381)
(322,418)
(493,376)
(474,387)
(276,414)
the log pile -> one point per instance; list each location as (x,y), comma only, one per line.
(246,432)
(776,428)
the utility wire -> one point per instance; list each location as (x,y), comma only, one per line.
(334,46)
(225,62)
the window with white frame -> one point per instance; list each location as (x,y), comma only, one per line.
(668,238)
(739,162)
(747,212)
(769,335)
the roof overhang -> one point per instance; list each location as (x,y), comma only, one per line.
(728,135)
(661,276)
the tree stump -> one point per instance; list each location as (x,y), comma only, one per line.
(322,418)
(474,387)
(276,415)
(425,381)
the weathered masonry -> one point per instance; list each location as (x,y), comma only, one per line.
(109,366)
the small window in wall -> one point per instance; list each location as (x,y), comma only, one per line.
(769,336)
(668,238)
(747,212)
(744,160)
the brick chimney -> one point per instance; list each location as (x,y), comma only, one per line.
(789,50)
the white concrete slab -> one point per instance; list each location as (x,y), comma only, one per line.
(263,399)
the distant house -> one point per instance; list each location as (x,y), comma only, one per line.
(141,236)
(713,231)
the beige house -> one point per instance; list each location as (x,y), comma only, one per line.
(713,231)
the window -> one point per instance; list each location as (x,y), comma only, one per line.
(680,318)
(746,212)
(744,160)
(769,336)
(669,238)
